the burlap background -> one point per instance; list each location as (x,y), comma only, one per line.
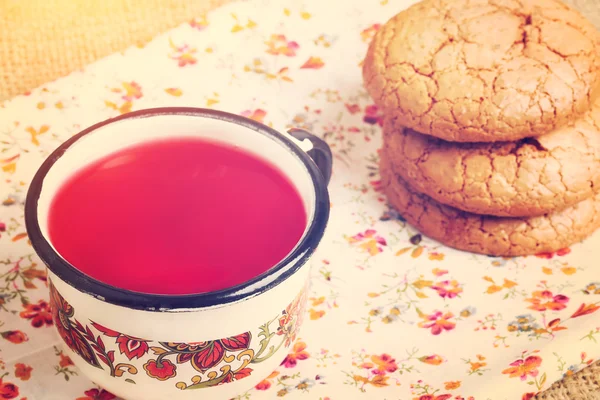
(41,40)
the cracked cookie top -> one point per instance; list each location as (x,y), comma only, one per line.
(528,177)
(498,236)
(484,70)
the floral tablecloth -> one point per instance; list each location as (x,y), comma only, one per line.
(392,314)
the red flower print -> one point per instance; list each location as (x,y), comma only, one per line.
(16,337)
(438,322)
(561,252)
(8,390)
(432,360)
(263,385)
(452,385)
(183,54)
(313,63)
(528,396)
(2,227)
(266,383)
(39,314)
(206,355)
(133,91)
(434,397)
(298,353)
(97,394)
(385,363)
(585,309)
(65,361)
(22,371)
(279,45)
(373,115)
(447,289)
(162,370)
(543,300)
(376,184)
(352,108)
(368,241)
(524,367)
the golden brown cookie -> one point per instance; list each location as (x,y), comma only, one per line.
(484,70)
(529,177)
(499,236)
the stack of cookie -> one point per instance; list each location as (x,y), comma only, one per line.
(492,131)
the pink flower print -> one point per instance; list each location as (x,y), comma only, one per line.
(438,322)
(542,300)
(524,367)
(447,289)
(369,241)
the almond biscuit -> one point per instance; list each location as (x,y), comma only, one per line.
(498,236)
(529,177)
(484,70)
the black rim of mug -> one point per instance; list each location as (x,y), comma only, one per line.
(159,302)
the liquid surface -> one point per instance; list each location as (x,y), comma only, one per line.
(176,216)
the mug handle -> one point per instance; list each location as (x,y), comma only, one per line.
(320,152)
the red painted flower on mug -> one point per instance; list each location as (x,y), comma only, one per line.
(298,353)
(542,300)
(8,390)
(161,370)
(206,355)
(62,312)
(438,322)
(38,313)
(16,337)
(524,367)
(130,346)
(235,376)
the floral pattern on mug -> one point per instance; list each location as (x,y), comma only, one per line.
(213,362)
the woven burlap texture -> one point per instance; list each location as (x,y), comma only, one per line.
(42,40)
